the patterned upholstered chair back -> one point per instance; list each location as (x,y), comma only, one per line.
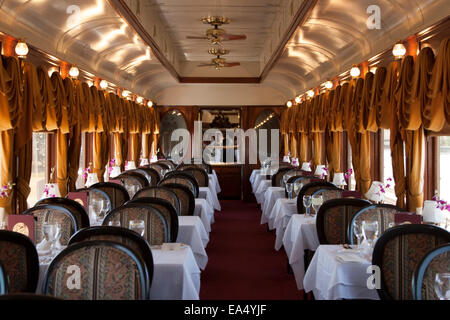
(399,251)
(20,261)
(49,213)
(74,207)
(153,174)
(168,163)
(147,178)
(163,165)
(120,235)
(167,210)
(334,217)
(159,168)
(296,180)
(310,185)
(383,213)
(289,174)
(131,183)
(199,174)
(3,281)
(183,166)
(434,262)
(108,271)
(277,177)
(156,226)
(186,197)
(117,193)
(184,179)
(160,193)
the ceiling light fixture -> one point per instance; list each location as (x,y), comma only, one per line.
(355,72)
(310,93)
(328,85)
(289,104)
(52,70)
(399,50)
(150,103)
(140,100)
(103,84)
(126,93)
(298,99)
(74,72)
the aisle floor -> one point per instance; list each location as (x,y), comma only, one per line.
(243,264)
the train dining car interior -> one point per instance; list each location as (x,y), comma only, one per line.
(222,150)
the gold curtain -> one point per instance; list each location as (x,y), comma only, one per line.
(101,152)
(62,162)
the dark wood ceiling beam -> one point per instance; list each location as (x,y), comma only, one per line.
(300,18)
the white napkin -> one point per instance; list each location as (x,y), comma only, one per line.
(350,257)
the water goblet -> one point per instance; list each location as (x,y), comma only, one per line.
(307,203)
(442,286)
(358,232)
(316,202)
(137,226)
(370,231)
(289,189)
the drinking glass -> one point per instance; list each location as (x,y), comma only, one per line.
(102,210)
(51,232)
(307,203)
(114,223)
(370,231)
(289,189)
(442,286)
(137,226)
(297,187)
(316,202)
(358,232)
(285,179)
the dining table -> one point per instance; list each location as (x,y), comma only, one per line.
(210,197)
(261,190)
(337,273)
(205,212)
(300,235)
(270,197)
(192,232)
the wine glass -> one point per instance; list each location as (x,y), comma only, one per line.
(358,232)
(307,203)
(370,231)
(102,210)
(297,187)
(285,179)
(316,202)
(289,189)
(137,226)
(51,232)
(442,286)
(114,223)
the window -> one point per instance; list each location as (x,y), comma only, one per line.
(39,167)
(352,182)
(388,175)
(444,168)
(82,164)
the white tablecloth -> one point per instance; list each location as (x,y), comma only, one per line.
(192,232)
(211,197)
(270,197)
(288,208)
(206,213)
(253,175)
(176,275)
(330,279)
(215,181)
(262,188)
(259,177)
(300,235)
(283,209)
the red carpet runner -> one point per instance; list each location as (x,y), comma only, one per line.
(243,264)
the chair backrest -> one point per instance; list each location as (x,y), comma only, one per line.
(108,271)
(182,178)
(156,226)
(206,167)
(276,178)
(163,165)
(167,210)
(117,193)
(3,281)
(20,261)
(155,176)
(147,178)
(200,175)
(121,235)
(383,213)
(50,213)
(289,174)
(159,168)
(186,197)
(334,217)
(399,251)
(434,262)
(77,209)
(296,180)
(310,185)
(169,163)
(131,183)
(160,193)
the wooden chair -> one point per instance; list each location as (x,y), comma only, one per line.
(161,193)
(74,207)
(156,226)
(424,276)
(310,185)
(399,251)
(276,178)
(117,193)
(199,174)
(108,271)
(20,262)
(182,178)
(153,174)
(186,197)
(120,235)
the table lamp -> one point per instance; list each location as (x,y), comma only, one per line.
(154,159)
(51,191)
(320,171)
(306,167)
(374,194)
(286,159)
(131,165)
(431,213)
(295,162)
(92,179)
(144,162)
(339,179)
(115,172)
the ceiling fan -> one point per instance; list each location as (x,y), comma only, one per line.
(220,63)
(216,35)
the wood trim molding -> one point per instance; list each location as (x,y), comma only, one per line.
(300,17)
(233,80)
(124,11)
